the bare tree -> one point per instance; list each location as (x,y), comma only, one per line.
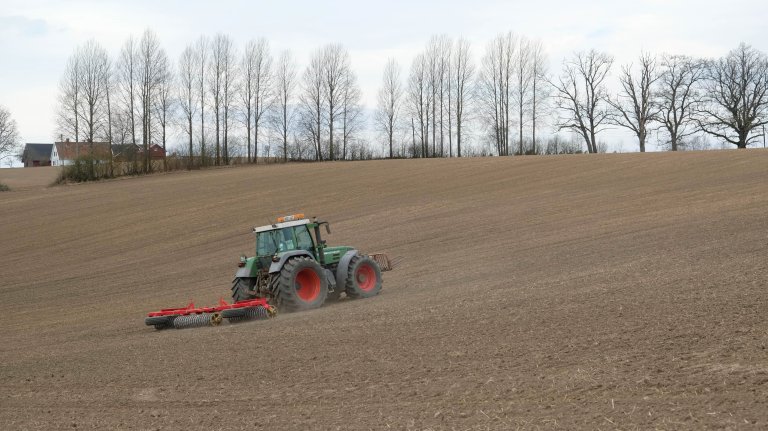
(462,75)
(284,86)
(495,89)
(312,106)
(432,56)
(150,71)
(437,59)
(248,72)
(440,48)
(69,99)
(94,75)
(164,102)
(229,90)
(109,85)
(419,102)
(584,112)
(539,89)
(678,97)
(9,134)
(127,79)
(351,111)
(202,64)
(634,107)
(737,97)
(218,47)
(335,67)
(187,92)
(522,92)
(121,127)
(257,92)
(389,103)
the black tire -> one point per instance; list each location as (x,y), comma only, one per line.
(242,289)
(237,315)
(301,285)
(363,278)
(160,322)
(234,313)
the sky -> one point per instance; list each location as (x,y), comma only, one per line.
(36,37)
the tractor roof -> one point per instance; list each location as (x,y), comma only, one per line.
(280,225)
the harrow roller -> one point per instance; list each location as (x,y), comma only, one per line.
(250,313)
(197,320)
(195,317)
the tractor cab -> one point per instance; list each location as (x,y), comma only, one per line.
(290,234)
(275,241)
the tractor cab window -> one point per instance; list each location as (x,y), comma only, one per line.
(287,242)
(266,243)
(275,241)
(304,239)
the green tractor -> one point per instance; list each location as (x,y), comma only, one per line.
(294,268)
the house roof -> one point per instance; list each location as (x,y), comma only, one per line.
(73,150)
(36,152)
(125,150)
(134,150)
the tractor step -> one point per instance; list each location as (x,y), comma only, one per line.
(195,317)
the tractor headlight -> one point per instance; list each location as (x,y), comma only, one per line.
(275,258)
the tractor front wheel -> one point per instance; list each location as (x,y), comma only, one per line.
(301,284)
(242,289)
(363,278)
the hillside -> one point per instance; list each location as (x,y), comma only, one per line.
(611,291)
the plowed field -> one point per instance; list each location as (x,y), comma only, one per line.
(623,291)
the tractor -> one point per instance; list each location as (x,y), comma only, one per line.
(295,269)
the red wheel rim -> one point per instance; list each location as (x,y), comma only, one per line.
(307,285)
(366,277)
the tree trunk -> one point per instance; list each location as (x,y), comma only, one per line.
(285,132)
(256,143)
(533,118)
(248,132)
(165,160)
(218,130)
(191,157)
(521,130)
(458,136)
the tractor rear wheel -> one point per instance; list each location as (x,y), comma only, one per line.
(363,278)
(301,284)
(242,289)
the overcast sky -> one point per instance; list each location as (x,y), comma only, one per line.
(36,37)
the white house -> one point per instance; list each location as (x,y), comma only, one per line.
(65,153)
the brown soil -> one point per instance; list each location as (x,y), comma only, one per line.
(598,292)
(28,178)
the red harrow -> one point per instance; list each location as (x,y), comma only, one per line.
(192,317)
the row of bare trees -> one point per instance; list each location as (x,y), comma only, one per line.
(219,97)
(102,100)
(675,97)
(678,96)
(214,89)
(447,96)
(330,114)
